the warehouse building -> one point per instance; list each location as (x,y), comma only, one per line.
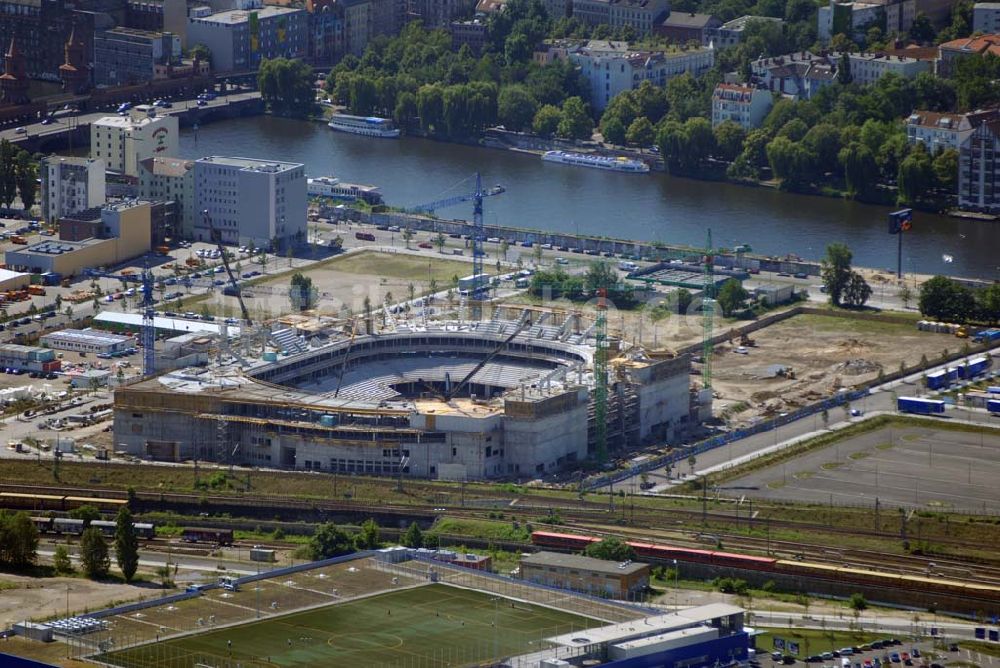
(87,341)
(592,576)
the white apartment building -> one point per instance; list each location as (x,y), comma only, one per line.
(124,141)
(170,179)
(986,18)
(938,131)
(250,200)
(612,68)
(979,169)
(71,185)
(747,106)
(868,68)
(642,15)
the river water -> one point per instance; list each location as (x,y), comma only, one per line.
(652,207)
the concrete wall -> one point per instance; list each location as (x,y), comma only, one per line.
(664,398)
(534,446)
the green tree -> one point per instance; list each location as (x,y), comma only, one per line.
(729,138)
(836,271)
(406,109)
(430,108)
(27,175)
(201,52)
(286,86)
(857,292)
(61,562)
(860,169)
(823,139)
(8,173)
(945,167)
(302,293)
(413,537)
(684,299)
(329,541)
(989,303)
(18,540)
(640,133)
(610,549)
(407,236)
(516,107)
(87,513)
(575,122)
(858,602)
(613,131)
(439,241)
(943,299)
(547,120)
(916,176)
(368,537)
(731,295)
(126,544)
(94,554)
(844,77)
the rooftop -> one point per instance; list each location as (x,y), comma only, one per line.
(575,561)
(168,166)
(490,6)
(687,20)
(134,32)
(78,161)
(741,22)
(234,16)
(249,164)
(982,45)
(162,322)
(57,247)
(86,336)
(647,626)
(7,274)
(126,122)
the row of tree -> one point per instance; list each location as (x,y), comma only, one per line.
(329,540)
(947,300)
(18,175)
(557,283)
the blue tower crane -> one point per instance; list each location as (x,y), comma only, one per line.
(147,335)
(478,236)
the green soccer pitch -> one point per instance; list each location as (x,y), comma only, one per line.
(431,625)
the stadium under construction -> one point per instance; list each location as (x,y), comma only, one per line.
(448,400)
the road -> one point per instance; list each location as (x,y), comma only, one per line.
(74,120)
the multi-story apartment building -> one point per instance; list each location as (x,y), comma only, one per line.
(641,15)
(592,12)
(158,16)
(747,106)
(70,185)
(439,13)
(124,141)
(685,27)
(471,32)
(979,46)
(40,28)
(795,75)
(126,56)
(730,33)
(172,180)
(612,67)
(979,169)
(239,39)
(250,200)
(357,25)
(855,18)
(938,131)
(868,68)
(986,18)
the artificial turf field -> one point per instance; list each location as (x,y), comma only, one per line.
(431,625)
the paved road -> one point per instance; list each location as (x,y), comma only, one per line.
(62,121)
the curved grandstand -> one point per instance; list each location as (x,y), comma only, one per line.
(464,401)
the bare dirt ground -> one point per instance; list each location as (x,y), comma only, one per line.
(823,354)
(24,597)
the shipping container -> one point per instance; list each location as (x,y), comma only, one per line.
(993,389)
(993,406)
(919,406)
(987,336)
(937,380)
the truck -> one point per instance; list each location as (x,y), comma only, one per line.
(36,290)
(973,367)
(993,406)
(987,336)
(937,380)
(919,406)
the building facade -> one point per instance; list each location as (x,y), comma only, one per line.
(642,15)
(855,18)
(240,39)
(592,12)
(585,574)
(796,75)
(979,169)
(122,142)
(730,33)
(171,180)
(250,201)
(868,68)
(128,56)
(86,341)
(357,25)
(28,358)
(986,18)
(159,16)
(326,31)
(472,32)
(70,185)
(747,106)
(612,68)
(938,131)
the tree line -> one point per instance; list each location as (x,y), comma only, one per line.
(329,540)
(18,175)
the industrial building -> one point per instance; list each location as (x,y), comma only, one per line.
(459,401)
(87,341)
(585,574)
(122,142)
(70,185)
(240,39)
(28,358)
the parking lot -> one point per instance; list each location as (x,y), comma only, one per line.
(821,649)
(912,466)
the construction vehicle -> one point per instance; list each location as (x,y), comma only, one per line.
(962,332)
(36,290)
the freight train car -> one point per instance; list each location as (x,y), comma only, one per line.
(216,536)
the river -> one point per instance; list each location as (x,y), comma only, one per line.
(654,207)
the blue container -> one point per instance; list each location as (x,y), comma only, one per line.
(270,357)
(937,380)
(919,406)
(993,406)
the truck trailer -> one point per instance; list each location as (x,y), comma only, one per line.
(919,406)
